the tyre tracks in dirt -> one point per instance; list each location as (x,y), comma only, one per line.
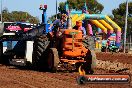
(32,79)
(12,77)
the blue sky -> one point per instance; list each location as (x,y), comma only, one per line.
(32,6)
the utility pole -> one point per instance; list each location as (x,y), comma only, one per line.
(125,27)
(56,9)
(1,11)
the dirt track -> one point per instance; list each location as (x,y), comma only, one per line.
(11,77)
(118,57)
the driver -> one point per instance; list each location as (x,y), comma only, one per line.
(59,26)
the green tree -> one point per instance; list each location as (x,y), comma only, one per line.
(93,5)
(18,16)
(119,16)
(53,17)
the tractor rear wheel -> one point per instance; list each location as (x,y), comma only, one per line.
(53,59)
(90,57)
(89,64)
(88,42)
(41,44)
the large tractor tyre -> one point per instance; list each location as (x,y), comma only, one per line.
(53,60)
(88,64)
(40,46)
(89,43)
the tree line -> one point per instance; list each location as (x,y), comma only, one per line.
(119,17)
(18,16)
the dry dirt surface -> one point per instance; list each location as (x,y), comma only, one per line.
(11,77)
(118,57)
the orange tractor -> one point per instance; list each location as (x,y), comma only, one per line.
(71,53)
